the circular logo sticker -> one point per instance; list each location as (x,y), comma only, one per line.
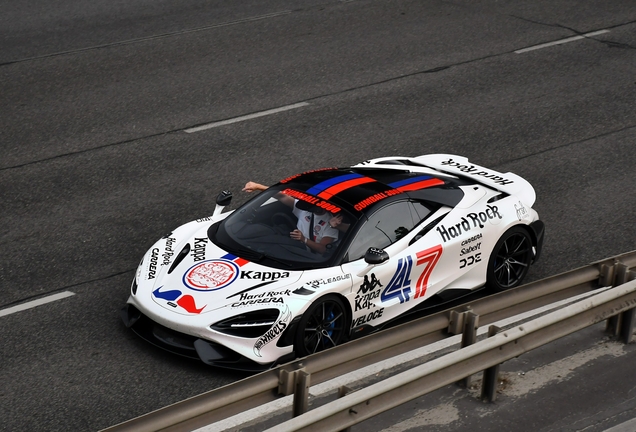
(210,275)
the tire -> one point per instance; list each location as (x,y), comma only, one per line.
(324,325)
(510,260)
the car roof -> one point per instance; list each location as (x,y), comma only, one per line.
(358,189)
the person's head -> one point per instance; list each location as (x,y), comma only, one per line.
(318,210)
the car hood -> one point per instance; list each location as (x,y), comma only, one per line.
(188,274)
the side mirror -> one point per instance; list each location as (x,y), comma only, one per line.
(375,256)
(222,200)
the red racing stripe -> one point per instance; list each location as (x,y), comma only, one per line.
(328,193)
(421,185)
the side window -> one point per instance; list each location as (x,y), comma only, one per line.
(384,227)
(422,211)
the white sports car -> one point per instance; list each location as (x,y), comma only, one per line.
(236,290)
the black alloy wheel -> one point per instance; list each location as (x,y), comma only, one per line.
(510,259)
(324,325)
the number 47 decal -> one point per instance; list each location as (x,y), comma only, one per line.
(429,257)
(400,284)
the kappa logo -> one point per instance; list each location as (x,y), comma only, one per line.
(211,275)
(263,276)
(366,294)
(198,251)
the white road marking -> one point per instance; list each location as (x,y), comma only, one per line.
(246,117)
(562,41)
(158,36)
(34,303)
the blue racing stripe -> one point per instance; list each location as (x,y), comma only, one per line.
(409,181)
(315,190)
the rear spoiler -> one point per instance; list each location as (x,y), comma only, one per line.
(509,183)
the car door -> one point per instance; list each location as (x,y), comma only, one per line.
(383,291)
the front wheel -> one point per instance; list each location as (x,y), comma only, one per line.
(510,259)
(322,326)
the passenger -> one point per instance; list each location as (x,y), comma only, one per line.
(338,223)
(314,227)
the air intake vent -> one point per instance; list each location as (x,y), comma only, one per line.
(184,253)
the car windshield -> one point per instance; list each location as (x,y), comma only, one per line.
(260,229)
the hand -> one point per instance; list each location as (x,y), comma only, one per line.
(253,186)
(297,235)
(335,221)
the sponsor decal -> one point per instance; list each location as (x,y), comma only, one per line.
(205,219)
(472,239)
(522,212)
(152,267)
(210,275)
(169,251)
(214,274)
(470,249)
(198,250)
(471,245)
(367,318)
(263,276)
(428,258)
(400,284)
(274,332)
(475,171)
(375,198)
(250,289)
(469,260)
(186,301)
(472,220)
(288,179)
(312,200)
(263,298)
(315,284)
(366,294)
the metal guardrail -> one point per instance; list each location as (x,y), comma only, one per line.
(434,374)
(293,377)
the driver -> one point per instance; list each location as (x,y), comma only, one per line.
(314,228)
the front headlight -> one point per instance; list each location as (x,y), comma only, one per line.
(135,282)
(133,287)
(248,325)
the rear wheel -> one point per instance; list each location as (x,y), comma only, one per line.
(510,259)
(324,325)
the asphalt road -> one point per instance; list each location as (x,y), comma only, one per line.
(96,162)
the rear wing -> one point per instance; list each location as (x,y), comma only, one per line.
(459,166)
